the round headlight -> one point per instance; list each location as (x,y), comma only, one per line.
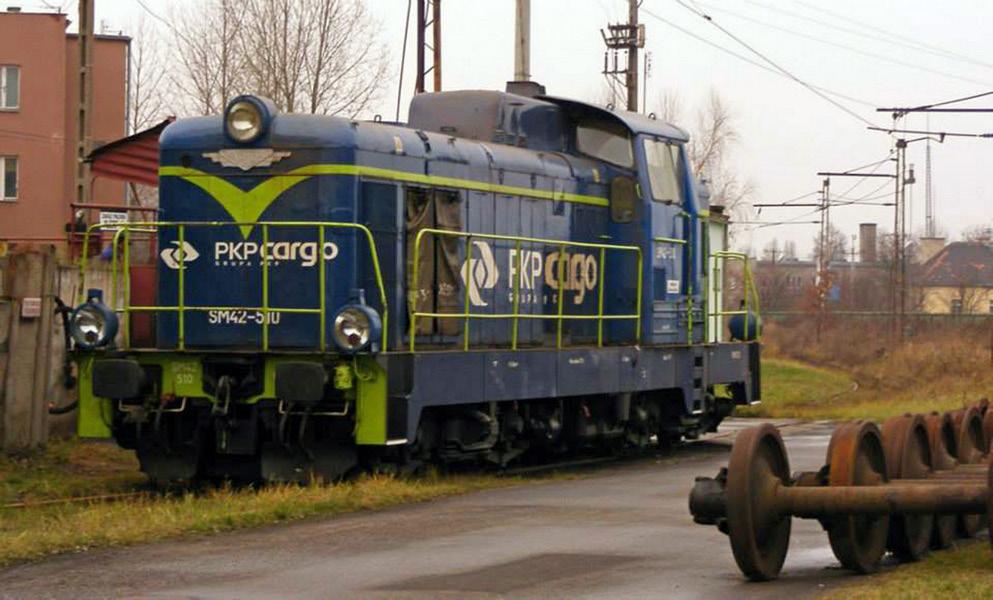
(93,325)
(244,121)
(356,327)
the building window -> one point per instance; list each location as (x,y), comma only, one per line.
(8,182)
(956,306)
(10,87)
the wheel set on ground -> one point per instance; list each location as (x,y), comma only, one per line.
(913,485)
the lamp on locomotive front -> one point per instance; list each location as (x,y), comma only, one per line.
(247,118)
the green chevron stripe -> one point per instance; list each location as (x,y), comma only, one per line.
(247,206)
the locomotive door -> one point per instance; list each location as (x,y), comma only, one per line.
(671,242)
(437,285)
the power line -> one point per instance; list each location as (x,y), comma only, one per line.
(750,61)
(909,43)
(38,136)
(897,36)
(167,23)
(775,65)
(819,40)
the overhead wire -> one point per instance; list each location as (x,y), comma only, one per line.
(896,40)
(880,30)
(774,64)
(754,63)
(880,57)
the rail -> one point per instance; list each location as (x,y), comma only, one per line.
(466,315)
(750,295)
(122,232)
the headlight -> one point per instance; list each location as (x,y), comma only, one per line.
(93,325)
(243,121)
(355,328)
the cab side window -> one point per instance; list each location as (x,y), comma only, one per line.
(664,172)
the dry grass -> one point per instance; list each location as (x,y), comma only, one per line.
(966,572)
(70,468)
(867,378)
(36,532)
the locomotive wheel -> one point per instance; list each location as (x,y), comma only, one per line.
(908,456)
(941,434)
(759,535)
(969,447)
(856,458)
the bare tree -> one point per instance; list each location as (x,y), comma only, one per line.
(712,139)
(981,233)
(834,246)
(148,102)
(317,56)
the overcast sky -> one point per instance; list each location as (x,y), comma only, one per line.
(881,53)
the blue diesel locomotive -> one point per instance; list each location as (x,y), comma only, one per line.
(505,275)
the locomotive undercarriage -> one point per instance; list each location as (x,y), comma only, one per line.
(197,439)
(536,431)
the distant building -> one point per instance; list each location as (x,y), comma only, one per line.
(957,278)
(39,96)
(788,284)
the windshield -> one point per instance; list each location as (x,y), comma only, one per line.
(609,142)
(663,170)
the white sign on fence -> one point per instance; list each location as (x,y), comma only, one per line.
(112,217)
(30,307)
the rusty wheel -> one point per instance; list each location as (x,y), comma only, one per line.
(989,499)
(988,430)
(759,535)
(982,406)
(856,458)
(941,433)
(908,456)
(969,442)
(969,450)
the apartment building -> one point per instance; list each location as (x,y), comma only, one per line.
(39,95)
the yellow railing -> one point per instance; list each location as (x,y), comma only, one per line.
(749,293)
(121,240)
(466,315)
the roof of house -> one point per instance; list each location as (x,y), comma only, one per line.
(960,264)
(134,158)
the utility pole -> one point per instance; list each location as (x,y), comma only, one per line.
(428,15)
(824,251)
(624,38)
(632,75)
(522,41)
(85,106)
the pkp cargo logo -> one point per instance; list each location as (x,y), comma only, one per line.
(480,272)
(171,256)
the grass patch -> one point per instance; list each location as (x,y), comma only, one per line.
(40,531)
(792,389)
(68,468)
(965,572)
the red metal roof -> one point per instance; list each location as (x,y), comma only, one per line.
(134,159)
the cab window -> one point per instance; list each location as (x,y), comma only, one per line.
(664,174)
(609,142)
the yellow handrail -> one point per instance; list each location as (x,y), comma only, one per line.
(124,229)
(466,315)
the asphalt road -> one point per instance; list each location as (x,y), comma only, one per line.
(622,531)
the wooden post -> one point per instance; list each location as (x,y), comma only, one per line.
(24,409)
